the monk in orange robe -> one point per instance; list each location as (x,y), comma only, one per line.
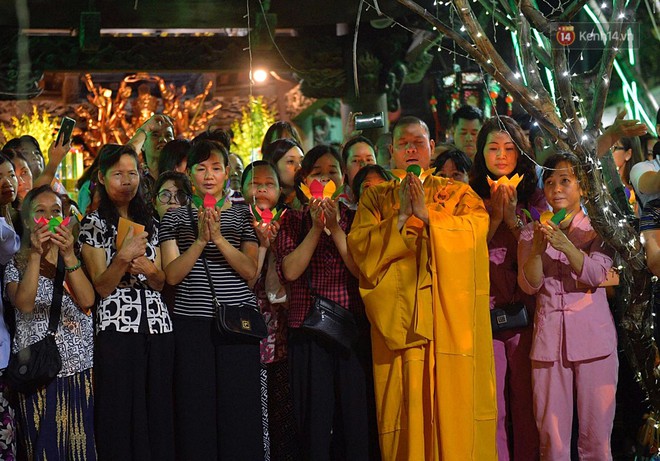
(420,245)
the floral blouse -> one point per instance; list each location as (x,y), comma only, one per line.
(124,308)
(75,332)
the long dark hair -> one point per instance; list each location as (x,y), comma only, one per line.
(307,165)
(524,165)
(279,130)
(274,151)
(138,209)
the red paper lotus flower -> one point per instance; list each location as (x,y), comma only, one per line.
(317,190)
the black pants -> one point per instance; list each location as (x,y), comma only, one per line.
(133,400)
(217,390)
(333,398)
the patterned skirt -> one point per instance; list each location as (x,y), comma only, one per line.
(57,422)
(7,423)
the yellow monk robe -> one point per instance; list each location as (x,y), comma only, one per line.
(426,295)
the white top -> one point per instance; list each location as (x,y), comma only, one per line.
(636,173)
(9,245)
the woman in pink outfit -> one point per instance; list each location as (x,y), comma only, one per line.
(574,345)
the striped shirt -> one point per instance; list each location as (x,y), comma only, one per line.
(193,297)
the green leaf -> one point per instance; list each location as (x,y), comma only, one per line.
(338,192)
(256,214)
(197,200)
(559,216)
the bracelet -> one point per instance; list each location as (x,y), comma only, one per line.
(74,268)
(519,225)
(142,130)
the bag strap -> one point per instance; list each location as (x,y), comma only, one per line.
(58,290)
(202,257)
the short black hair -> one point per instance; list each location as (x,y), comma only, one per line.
(215,134)
(172,154)
(202,149)
(467,112)
(180,180)
(462,162)
(410,120)
(361,175)
(353,141)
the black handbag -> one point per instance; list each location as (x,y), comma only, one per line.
(241,321)
(39,363)
(329,320)
(508,317)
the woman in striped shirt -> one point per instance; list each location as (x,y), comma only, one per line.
(217,390)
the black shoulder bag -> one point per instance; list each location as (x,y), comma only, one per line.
(509,317)
(242,321)
(39,363)
(328,319)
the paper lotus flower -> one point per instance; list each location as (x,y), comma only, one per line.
(208,201)
(557,218)
(267,216)
(317,190)
(417,170)
(41,220)
(513,181)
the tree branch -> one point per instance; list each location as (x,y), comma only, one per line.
(537,20)
(565,102)
(611,48)
(531,70)
(572,9)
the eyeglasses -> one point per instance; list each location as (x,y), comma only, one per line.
(180,197)
(618,148)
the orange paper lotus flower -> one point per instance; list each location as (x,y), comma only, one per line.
(556,218)
(414,169)
(317,190)
(513,181)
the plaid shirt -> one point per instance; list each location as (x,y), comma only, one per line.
(330,276)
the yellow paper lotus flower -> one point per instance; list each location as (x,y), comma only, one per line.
(556,218)
(513,181)
(414,169)
(317,190)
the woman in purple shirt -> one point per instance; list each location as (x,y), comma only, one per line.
(502,149)
(574,347)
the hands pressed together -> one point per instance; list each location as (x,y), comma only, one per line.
(411,196)
(266,233)
(503,201)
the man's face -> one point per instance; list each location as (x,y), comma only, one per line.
(34,158)
(411,146)
(236,172)
(465,136)
(155,142)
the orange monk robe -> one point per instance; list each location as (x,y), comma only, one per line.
(426,295)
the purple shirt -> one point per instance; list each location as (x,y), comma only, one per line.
(503,262)
(577,316)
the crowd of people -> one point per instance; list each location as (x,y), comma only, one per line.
(420,243)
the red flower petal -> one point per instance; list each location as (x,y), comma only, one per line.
(267,216)
(209,201)
(316,188)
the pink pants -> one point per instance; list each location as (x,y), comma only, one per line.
(593,383)
(514,397)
